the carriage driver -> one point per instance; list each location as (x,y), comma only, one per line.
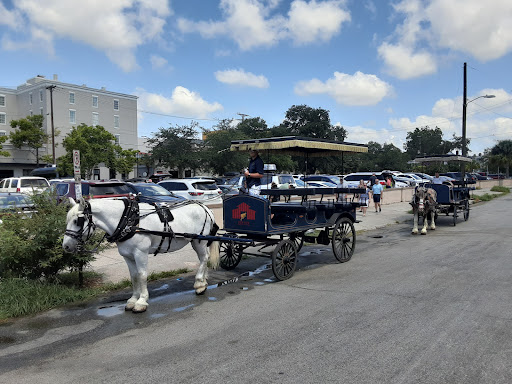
(254,173)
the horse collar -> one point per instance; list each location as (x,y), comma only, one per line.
(127,224)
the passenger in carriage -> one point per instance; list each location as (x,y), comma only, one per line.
(254,173)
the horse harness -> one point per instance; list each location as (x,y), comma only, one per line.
(128,225)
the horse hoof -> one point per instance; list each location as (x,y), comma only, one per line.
(139,308)
(423,233)
(129,306)
(200,291)
(414,232)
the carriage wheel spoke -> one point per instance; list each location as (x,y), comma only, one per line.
(343,240)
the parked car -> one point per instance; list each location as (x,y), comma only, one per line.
(412,179)
(93,189)
(15,203)
(153,193)
(24,184)
(424,176)
(192,189)
(280,180)
(325,178)
(496,176)
(458,177)
(480,177)
(352,179)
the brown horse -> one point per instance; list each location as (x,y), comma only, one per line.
(424,203)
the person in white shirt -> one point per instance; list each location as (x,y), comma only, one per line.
(437,179)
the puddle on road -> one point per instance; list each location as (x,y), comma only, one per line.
(111,311)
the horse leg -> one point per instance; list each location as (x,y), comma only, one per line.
(135,286)
(141,260)
(415,223)
(432,220)
(201,282)
(425,224)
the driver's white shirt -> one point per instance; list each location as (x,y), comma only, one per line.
(437,180)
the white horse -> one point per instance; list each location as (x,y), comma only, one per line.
(424,203)
(136,228)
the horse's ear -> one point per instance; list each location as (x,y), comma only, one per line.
(81,204)
(72,201)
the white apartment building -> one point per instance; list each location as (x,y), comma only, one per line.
(72,105)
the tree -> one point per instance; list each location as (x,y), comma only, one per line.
(426,141)
(302,120)
(254,128)
(177,147)
(29,132)
(3,139)
(124,160)
(96,145)
(502,153)
(217,156)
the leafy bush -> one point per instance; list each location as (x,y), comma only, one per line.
(497,188)
(31,247)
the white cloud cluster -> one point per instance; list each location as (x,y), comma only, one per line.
(240,77)
(430,28)
(158,62)
(115,27)
(183,102)
(250,23)
(358,89)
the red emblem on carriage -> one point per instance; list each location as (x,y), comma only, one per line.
(243,212)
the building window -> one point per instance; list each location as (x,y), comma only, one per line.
(41,95)
(95,119)
(3,118)
(71,97)
(117,139)
(2,100)
(72,116)
(116,121)
(30,98)
(116,105)
(3,133)
(95,101)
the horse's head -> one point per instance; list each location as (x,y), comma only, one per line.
(79,226)
(419,197)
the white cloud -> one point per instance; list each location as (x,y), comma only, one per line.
(158,62)
(183,102)
(402,63)
(240,77)
(312,22)
(431,29)
(483,124)
(115,27)
(249,24)
(359,89)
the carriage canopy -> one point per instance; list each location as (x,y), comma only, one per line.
(298,146)
(442,158)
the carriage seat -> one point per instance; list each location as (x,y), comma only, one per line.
(288,208)
(444,192)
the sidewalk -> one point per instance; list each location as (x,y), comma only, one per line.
(113,267)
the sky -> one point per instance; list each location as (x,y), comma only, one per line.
(381,68)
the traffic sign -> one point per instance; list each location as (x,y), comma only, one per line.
(76,161)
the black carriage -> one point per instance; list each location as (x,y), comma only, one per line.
(452,198)
(279,228)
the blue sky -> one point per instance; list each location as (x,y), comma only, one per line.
(382,68)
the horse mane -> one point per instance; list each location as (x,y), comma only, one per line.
(72,212)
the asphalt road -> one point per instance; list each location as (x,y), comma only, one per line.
(405,309)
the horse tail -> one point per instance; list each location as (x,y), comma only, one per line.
(214,259)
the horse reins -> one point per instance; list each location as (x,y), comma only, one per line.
(80,221)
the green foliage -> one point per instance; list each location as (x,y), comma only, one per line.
(96,145)
(123,161)
(29,132)
(302,120)
(501,189)
(3,139)
(177,147)
(425,141)
(31,247)
(501,154)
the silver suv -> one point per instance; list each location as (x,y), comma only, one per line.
(24,184)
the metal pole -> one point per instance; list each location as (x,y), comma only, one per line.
(51,87)
(464,107)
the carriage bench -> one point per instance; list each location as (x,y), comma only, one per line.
(444,192)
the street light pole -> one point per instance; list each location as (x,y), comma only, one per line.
(465,103)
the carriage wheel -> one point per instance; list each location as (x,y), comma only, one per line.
(466,211)
(230,255)
(298,239)
(343,239)
(455,214)
(284,259)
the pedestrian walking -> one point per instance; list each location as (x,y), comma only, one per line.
(377,195)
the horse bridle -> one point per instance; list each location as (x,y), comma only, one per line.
(80,221)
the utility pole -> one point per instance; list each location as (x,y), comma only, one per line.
(51,88)
(464,107)
(243,116)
